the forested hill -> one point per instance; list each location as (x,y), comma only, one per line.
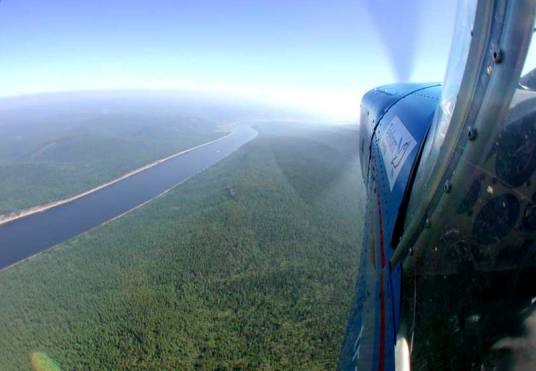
(249,265)
(53,146)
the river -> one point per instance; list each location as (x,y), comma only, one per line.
(32,234)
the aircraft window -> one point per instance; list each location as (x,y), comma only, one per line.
(457,63)
(484,257)
(530,63)
(528,79)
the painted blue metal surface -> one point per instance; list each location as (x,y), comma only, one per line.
(374,105)
(403,113)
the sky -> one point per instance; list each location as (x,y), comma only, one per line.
(313,54)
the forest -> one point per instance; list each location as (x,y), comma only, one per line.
(58,145)
(249,265)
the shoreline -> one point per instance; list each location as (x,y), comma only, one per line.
(16,215)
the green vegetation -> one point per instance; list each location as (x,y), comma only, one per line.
(250,265)
(53,150)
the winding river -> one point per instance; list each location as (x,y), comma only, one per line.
(29,235)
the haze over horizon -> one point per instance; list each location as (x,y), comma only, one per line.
(298,54)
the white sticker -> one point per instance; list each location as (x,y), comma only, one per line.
(396,144)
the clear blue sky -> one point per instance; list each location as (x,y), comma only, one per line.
(316,53)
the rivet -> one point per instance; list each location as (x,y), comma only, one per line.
(427,223)
(447,186)
(471,133)
(497,56)
(489,70)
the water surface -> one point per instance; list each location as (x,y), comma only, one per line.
(30,235)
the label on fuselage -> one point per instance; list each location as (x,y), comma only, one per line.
(395,145)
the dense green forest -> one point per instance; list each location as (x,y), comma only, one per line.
(55,146)
(250,265)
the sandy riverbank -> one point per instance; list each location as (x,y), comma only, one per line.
(7,218)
